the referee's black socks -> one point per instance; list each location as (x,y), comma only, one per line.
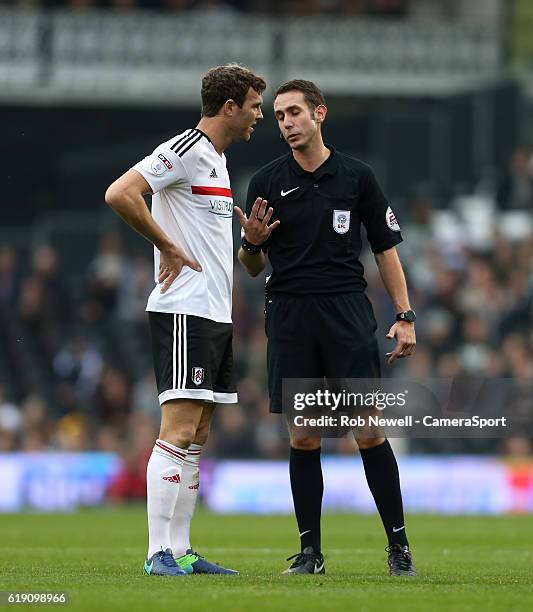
(383,480)
(307,488)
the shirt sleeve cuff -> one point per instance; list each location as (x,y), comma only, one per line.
(146,176)
(385,246)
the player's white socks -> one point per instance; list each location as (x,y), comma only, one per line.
(163,478)
(180,524)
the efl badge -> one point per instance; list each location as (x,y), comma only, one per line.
(392,222)
(198,376)
(341,221)
(158,167)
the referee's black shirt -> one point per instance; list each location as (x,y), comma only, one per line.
(316,247)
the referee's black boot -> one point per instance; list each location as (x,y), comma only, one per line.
(306,562)
(400,561)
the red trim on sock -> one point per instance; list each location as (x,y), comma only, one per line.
(170,451)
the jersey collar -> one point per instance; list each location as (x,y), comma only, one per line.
(203,134)
(327,167)
(210,142)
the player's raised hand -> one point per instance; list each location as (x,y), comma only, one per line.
(405,340)
(171,261)
(256,227)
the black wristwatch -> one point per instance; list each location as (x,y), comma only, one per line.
(409,316)
(251,249)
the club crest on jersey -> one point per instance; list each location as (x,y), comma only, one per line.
(392,222)
(198,376)
(341,221)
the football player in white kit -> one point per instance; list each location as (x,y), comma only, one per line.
(189,308)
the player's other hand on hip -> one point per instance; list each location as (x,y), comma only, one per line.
(405,340)
(256,227)
(171,261)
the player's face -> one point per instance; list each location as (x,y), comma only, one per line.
(247,116)
(298,124)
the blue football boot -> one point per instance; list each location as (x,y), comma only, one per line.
(193,563)
(162,563)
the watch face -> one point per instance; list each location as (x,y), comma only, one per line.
(408,316)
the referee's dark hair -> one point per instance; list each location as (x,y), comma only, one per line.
(312,94)
(228,82)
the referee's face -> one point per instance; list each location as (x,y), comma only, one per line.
(298,125)
(245,118)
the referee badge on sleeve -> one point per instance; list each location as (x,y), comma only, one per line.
(341,221)
(392,222)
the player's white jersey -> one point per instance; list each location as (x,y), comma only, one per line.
(193,204)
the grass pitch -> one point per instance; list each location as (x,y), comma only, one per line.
(464,564)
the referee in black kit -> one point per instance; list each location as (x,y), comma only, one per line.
(304,210)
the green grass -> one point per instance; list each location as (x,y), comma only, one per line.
(465,563)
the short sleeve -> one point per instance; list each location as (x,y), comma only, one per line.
(162,168)
(382,227)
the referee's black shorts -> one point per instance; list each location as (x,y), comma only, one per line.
(315,336)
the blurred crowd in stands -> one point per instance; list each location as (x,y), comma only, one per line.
(382,7)
(378,8)
(75,359)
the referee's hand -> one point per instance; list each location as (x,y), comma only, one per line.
(256,227)
(405,340)
(171,262)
